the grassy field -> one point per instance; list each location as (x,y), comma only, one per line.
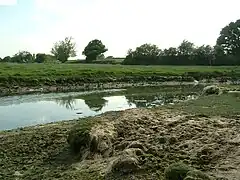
(50,74)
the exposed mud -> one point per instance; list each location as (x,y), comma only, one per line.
(131,144)
(18,90)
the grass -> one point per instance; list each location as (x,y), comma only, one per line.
(215,105)
(52,74)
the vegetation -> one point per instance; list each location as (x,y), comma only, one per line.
(229,39)
(225,52)
(64,74)
(93,50)
(45,58)
(62,50)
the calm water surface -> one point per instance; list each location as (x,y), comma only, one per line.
(27,110)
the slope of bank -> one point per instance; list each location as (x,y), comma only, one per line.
(16,78)
(132,144)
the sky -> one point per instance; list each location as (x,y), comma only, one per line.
(35,25)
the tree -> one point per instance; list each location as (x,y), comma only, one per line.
(100,57)
(1,60)
(6,59)
(170,52)
(22,57)
(204,55)
(144,54)
(64,49)
(45,58)
(94,49)
(186,48)
(229,38)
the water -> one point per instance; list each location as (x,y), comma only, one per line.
(27,110)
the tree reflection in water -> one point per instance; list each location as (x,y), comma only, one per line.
(68,102)
(95,102)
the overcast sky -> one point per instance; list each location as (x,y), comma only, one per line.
(34,25)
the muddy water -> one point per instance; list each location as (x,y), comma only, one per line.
(27,110)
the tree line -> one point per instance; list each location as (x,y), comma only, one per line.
(225,52)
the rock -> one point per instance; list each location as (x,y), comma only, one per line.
(136,144)
(17,173)
(172,140)
(196,175)
(162,140)
(141,130)
(208,90)
(122,146)
(125,164)
(176,171)
(133,152)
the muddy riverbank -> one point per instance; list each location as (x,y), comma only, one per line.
(18,90)
(132,144)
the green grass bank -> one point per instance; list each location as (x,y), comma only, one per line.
(64,74)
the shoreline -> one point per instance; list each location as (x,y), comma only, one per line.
(18,90)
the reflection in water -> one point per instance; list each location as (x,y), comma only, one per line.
(95,102)
(45,108)
(68,102)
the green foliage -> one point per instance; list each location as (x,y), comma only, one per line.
(229,38)
(45,58)
(94,49)
(100,57)
(186,48)
(145,54)
(64,49)
(170,52)
(22,57)
(6,59)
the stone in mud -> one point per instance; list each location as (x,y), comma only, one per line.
(162,139)
(133,152)
(196,175)
(136,144)
(172,140)
(209,90)
(125,164)
(176,171)
(122,146)
(141,130)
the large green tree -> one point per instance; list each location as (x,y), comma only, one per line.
(94,49)
(229,38)
(64,49)
(186,48)
(22,57)
(144,54)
